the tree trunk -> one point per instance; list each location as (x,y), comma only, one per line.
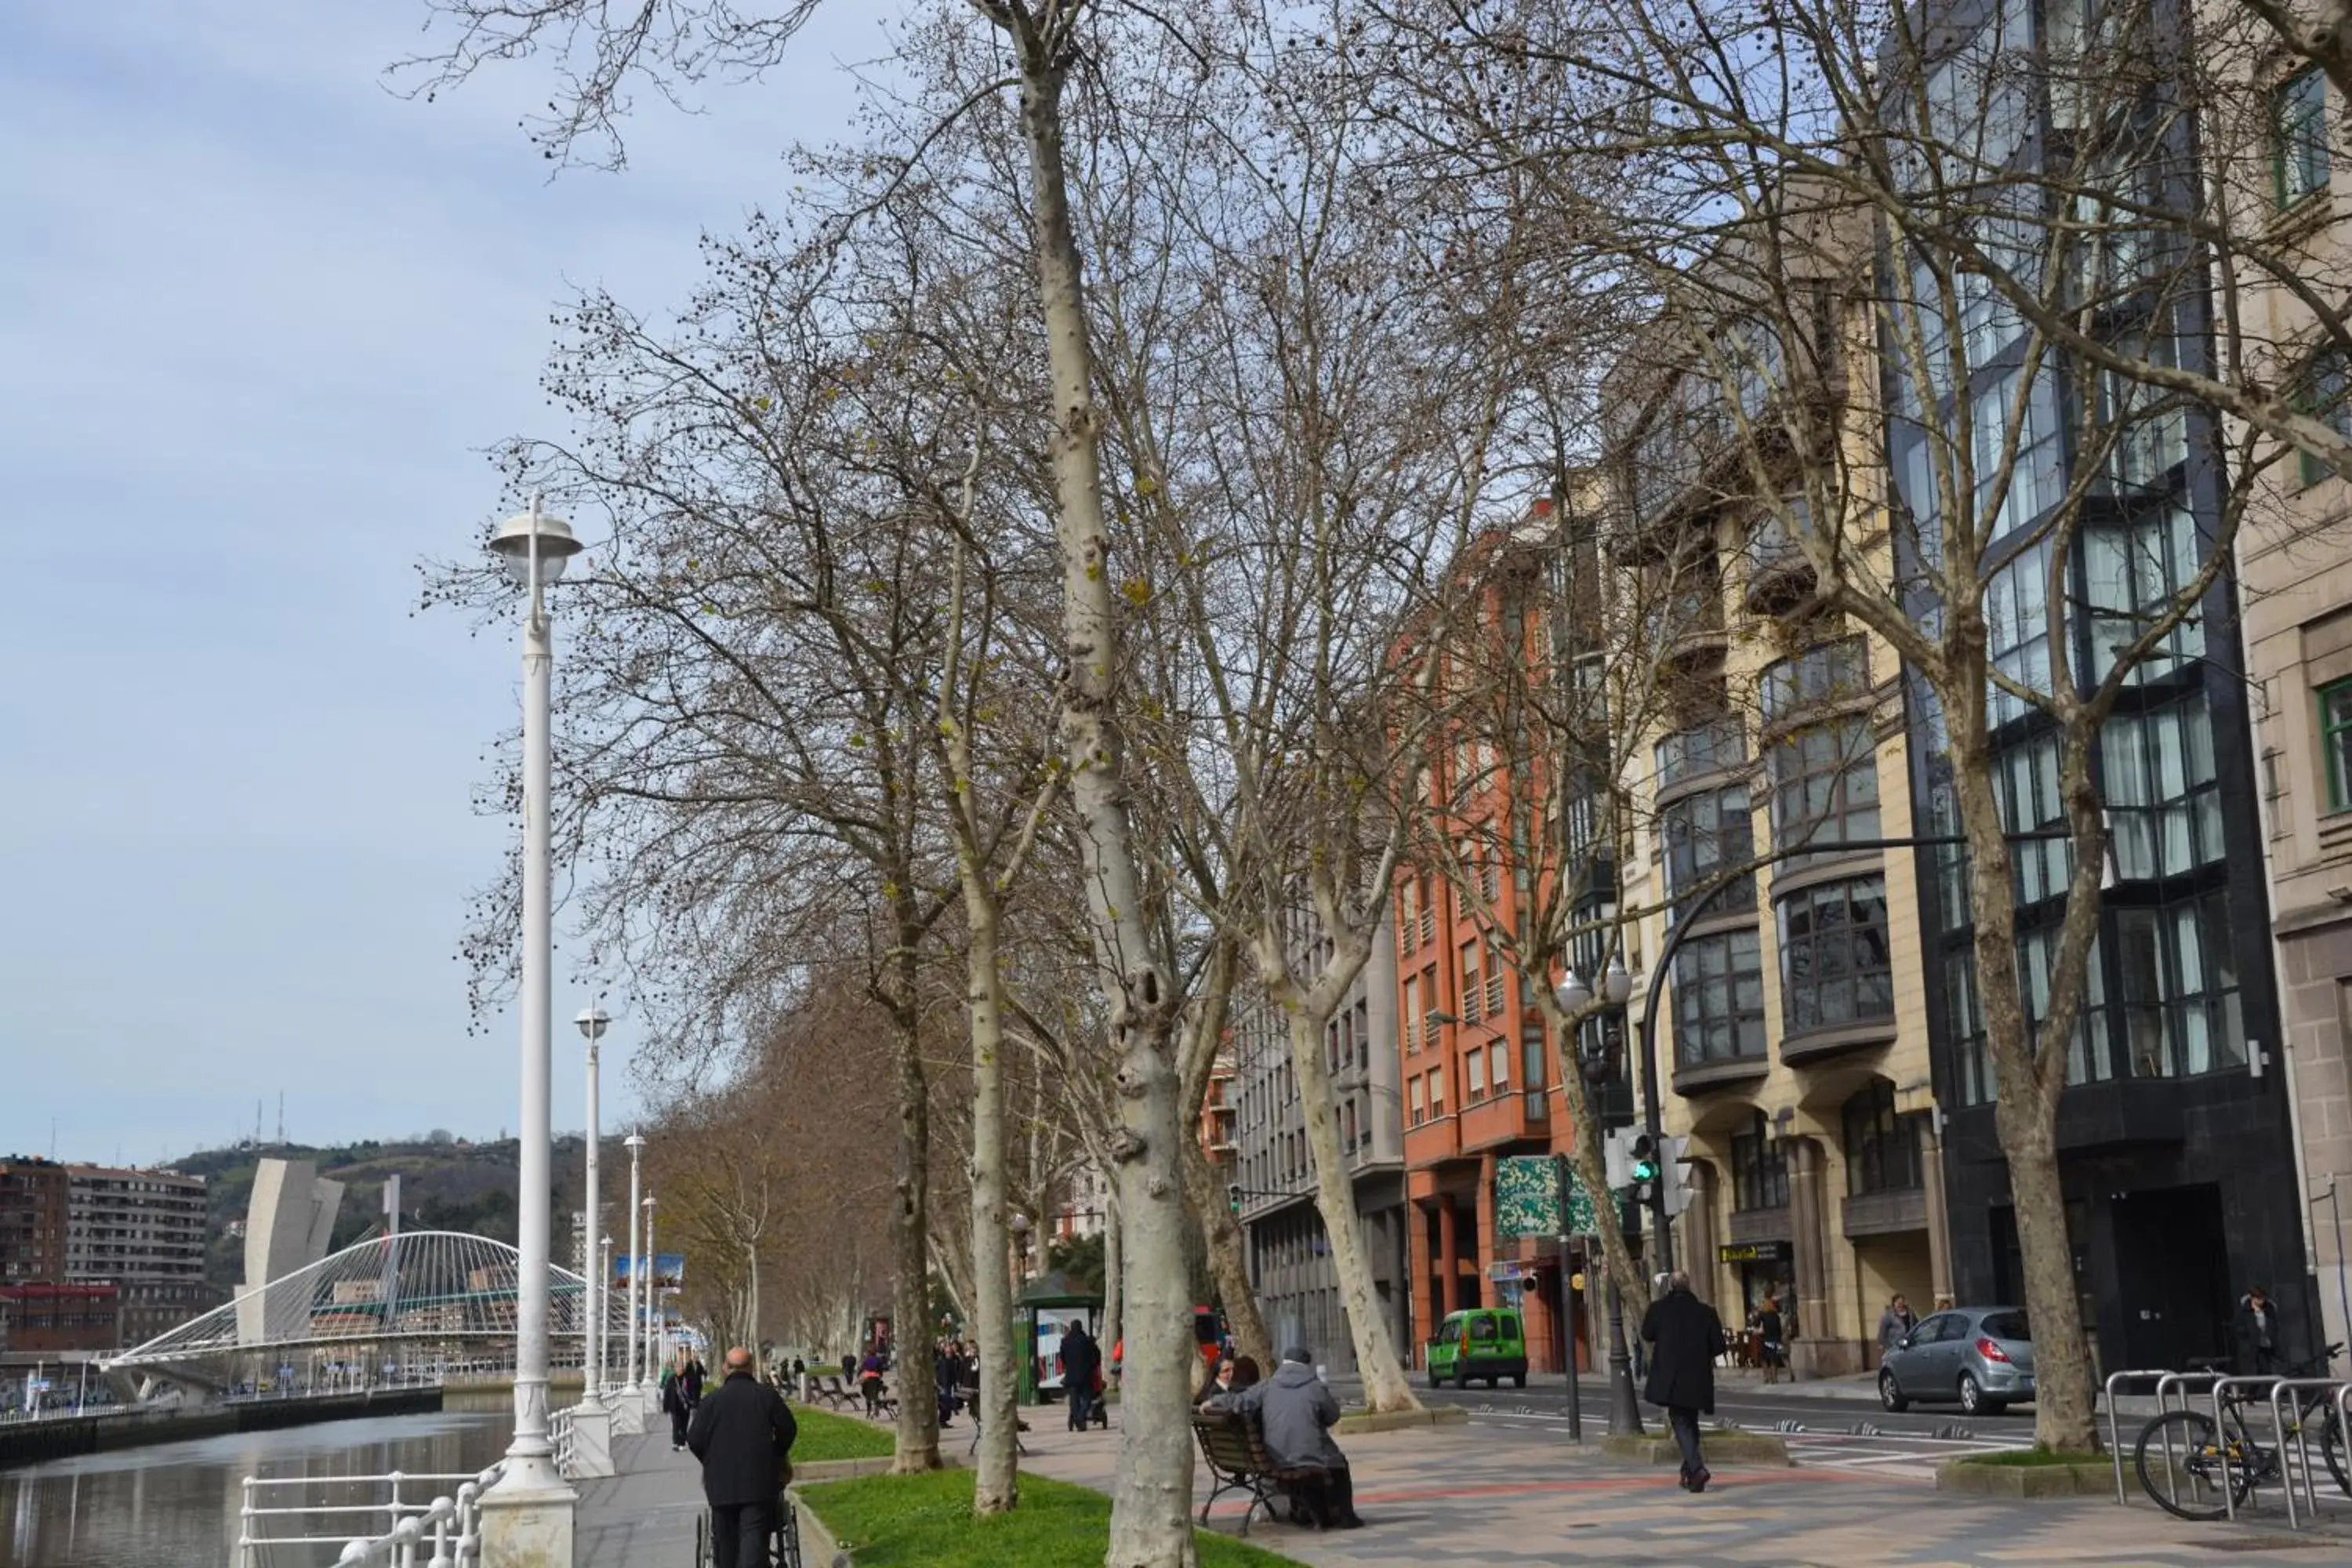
(1228,1257)
(1113,1328)
(1151,1499)
(917,1437)
(1385,1387)
(996,1486)
(2025,1116)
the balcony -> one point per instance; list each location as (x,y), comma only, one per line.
(1779,575)
(1886,1214)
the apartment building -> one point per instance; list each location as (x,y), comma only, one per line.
(33,1207)
(1291,1270)
(1794,1047)
(143,1232)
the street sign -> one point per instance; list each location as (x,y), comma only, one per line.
(1540,1195)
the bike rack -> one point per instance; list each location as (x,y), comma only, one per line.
(2166,1386)
(2115,1433)
(2301,1442)
(2220,1392)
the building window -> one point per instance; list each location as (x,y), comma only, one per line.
(1498,1066)
(2017,628)
(2300,160)
(2162,793)
(2025,784)
(1412,1020)
(1699,837)
(2088,1058)
(1474,1085)
(1437,1092)
(1832,673)
(2325,393)
(2135,572)
(1408,910)
(2179,972)
(1718,999)
(2335,741)
(1882,1149)
(1470,988)
(1759,1169)
(1711,748)
(1836,965)
(1825,786)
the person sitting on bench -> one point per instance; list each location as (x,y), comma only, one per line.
(1295,1409)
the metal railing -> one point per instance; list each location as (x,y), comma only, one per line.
(2114,1386)
(561,1433)
(2288,1387)
(450,1522)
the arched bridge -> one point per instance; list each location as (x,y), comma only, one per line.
(425,1287)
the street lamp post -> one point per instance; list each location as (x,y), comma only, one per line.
(604,1308)
(653,1301)
(592,1023)
(636,1145)
(1574,995)
(528,1499)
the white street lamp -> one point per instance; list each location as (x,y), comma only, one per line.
(592,1023)
(636,1145)
(653,1301)
(534,546)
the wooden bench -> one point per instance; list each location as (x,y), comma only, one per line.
(1235,1447)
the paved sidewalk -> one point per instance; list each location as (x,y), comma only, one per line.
(1465,1495)
(1497,1497)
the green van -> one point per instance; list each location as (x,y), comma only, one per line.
(1485,1342)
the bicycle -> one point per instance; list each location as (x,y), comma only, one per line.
(783,1546)
(2200,1455)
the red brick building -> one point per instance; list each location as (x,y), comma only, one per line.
(44,1319)
(34,1204)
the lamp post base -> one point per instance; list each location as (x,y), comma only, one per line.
(527,1517)
(1625,1412)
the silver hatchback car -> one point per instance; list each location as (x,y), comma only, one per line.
(1980,1358)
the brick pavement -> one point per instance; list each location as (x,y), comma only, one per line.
(1493,1495)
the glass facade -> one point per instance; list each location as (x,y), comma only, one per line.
(1836,967)
(1718,999)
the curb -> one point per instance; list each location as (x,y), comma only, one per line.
(1402,1420)
(2025,1481)
(818,1547)
(1721,1447)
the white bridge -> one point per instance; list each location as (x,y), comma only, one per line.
(434,1290)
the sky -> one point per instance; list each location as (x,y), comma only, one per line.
(260,318)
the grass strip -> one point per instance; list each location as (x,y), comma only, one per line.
(925,1522)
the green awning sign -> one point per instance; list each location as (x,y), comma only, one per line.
(1528,1193)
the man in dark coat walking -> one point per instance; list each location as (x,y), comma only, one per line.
(743,1436)
(1081,1360)
(1685,1337)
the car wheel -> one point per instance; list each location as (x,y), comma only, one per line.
(1890,1394)
(1461,1375)
(1972,1399)
(1435,1381)
(1519,1380)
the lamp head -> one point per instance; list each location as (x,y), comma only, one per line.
(593,1022)
(1019,1224)
(510,542)
(1616,985)
(633,1141)
(1573,994)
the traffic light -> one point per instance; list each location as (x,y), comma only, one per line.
(1233,1197)
(1642,1169)
(1615,1160)
(1674,1194)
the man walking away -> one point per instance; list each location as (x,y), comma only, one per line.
(743,1436)
(1081,1360)
(2258,1332)
(1685,1336)
(1295,1410)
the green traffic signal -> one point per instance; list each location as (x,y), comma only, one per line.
(1645,1170)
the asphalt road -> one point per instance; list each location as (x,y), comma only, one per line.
(1757,1408)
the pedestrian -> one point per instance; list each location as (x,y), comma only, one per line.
(694,1374)
(1773,1337)
(1235,1377)
(1895,1322)
(1081,1365)
(849,1367)
(1295,1410)
(946,1378)
(674,1405)
(869,1384)
(2257,1333)
(744,1434)
(1685,1337)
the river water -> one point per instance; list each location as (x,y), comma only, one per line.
(177,1505)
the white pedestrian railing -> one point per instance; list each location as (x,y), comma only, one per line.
(561,1433)
(449,1524)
